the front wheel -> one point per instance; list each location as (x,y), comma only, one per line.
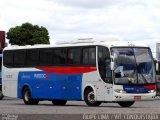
(126,103)
(89,98)
(27,97)
(59,102)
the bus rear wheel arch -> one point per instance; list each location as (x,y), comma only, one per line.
(89,97)
(126,103)
(26,94)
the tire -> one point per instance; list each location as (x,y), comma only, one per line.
(89,98)
(126,104)
(1,95)
(59,102)
(27,97)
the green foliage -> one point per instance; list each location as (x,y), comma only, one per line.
(28,34)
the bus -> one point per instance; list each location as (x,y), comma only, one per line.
(93,71)
(1,95)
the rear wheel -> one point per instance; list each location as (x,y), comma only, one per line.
(126,103)
(27,97)
(59,102)
(89,98)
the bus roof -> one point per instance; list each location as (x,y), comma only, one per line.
(81,42)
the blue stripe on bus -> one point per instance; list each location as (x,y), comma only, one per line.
(47,85)
(138,89)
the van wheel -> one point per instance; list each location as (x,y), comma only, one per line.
(126,103)
(27,97)
(89,98)
(59,102)
(1,95)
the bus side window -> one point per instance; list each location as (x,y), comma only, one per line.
(32,57)
(89,56)
(74,56)
(60,56)
(19,58)
(85,56)
(8,58)
(45,58)
(92,56)
(104,64)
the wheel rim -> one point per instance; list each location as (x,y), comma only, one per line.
(27,96)
(91,97)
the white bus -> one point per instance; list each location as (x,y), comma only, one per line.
(93,71)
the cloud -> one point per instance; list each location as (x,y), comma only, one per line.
(128,19)
(17,11)
(116,20)
(88,4)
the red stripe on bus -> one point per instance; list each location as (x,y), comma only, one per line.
(68,70)
(153,86)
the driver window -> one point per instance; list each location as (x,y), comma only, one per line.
(104,64)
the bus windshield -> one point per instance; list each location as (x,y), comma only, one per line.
(133,66)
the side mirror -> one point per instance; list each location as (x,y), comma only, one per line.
(112,66)
(114,56)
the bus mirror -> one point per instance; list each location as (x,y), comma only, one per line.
(114,56)
(112,65)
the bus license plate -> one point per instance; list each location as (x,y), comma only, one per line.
(137,97)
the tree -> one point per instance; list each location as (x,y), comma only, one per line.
(28,34)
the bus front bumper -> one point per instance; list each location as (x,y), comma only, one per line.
(134,97)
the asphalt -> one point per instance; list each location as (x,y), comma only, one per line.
(74,109)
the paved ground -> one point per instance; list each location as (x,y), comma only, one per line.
(16,106)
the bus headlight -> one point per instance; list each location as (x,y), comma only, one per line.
(151,91)
(120,91)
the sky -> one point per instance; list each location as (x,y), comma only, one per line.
(128,20)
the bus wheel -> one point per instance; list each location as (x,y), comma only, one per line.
(126,103)
(89,98)
(59,102)
(1,95)
(27,97)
